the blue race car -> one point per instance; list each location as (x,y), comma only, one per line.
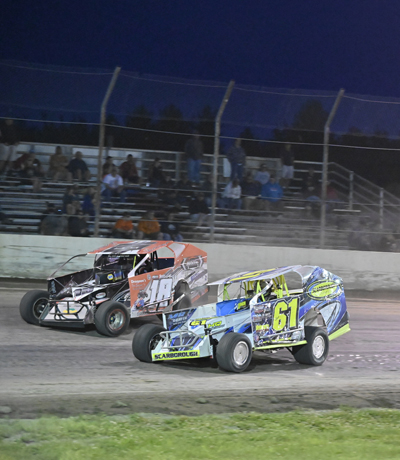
(297,307)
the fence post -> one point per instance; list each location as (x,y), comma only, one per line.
(101,147)
(216,154)
(351,190)
(325,167)
(381,199)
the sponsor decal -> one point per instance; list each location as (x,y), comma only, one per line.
(110,277)
(203,322)
(137,284)
(241,306)
(324,290)
(100,295)
(260,327)
(175,355)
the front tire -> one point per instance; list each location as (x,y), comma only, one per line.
(32,305)
(111,319)
(145,341)
(316,350)
(234,352)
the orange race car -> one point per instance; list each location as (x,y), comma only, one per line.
(127,280)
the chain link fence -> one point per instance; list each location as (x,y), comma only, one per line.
(153,114)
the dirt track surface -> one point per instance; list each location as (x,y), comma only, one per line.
(53,371)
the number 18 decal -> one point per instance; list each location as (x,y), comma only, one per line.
(284,313)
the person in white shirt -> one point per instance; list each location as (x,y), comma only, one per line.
(113,186)
(231,197)
(262,175)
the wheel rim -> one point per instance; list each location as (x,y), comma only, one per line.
(318,347)
(39,307)
(240,353)
(116,320)
(154,341)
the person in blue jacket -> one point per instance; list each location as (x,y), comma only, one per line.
(272,193)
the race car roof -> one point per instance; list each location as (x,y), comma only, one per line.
(131,247)
(264,274)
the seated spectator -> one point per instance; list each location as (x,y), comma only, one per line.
(170,228)
(54,223)
(78,168)
(207,187)
(58,166)
(77,221)
(262,175)
(89,201)
(310,185)
(156,173)
(272,194)
(71,195)
(198,209)
(108,166)
(250,191)
(148,227)
(124,227)
(128,170)
(113,186)
(31,172)
(231,197)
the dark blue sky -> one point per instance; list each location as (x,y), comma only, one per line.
(308,44)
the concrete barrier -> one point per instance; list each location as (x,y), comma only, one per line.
(37,256)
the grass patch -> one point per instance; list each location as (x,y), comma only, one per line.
(343,434)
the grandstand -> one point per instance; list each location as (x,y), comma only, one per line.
(294,226)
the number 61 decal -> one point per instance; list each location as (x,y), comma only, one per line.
(285,314)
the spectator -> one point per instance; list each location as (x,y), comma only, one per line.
(250,191)
(108,166)
(71,195)
(128,170)
(310,183)
(77,221)
(198,209)
(272,193)
(8,148)
(89,202)
(287,160)
(78,168)
(148,227)
(124,227)
(58,166)
(262,175)
(237,158)
(113,186)
(207,187)
(156,173)
(231,197)
(194,154)
(170,229)
(54,223)
(31,172)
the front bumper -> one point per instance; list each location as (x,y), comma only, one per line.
(182,345)
(67,313)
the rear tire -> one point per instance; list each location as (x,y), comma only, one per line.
(111,319)
(145,340)
(32,305)
(316,350)
(234,352)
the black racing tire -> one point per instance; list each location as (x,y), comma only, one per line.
(32,305)
(182,288)
(234,352)
(145,340)
(111,318)
(316,350)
